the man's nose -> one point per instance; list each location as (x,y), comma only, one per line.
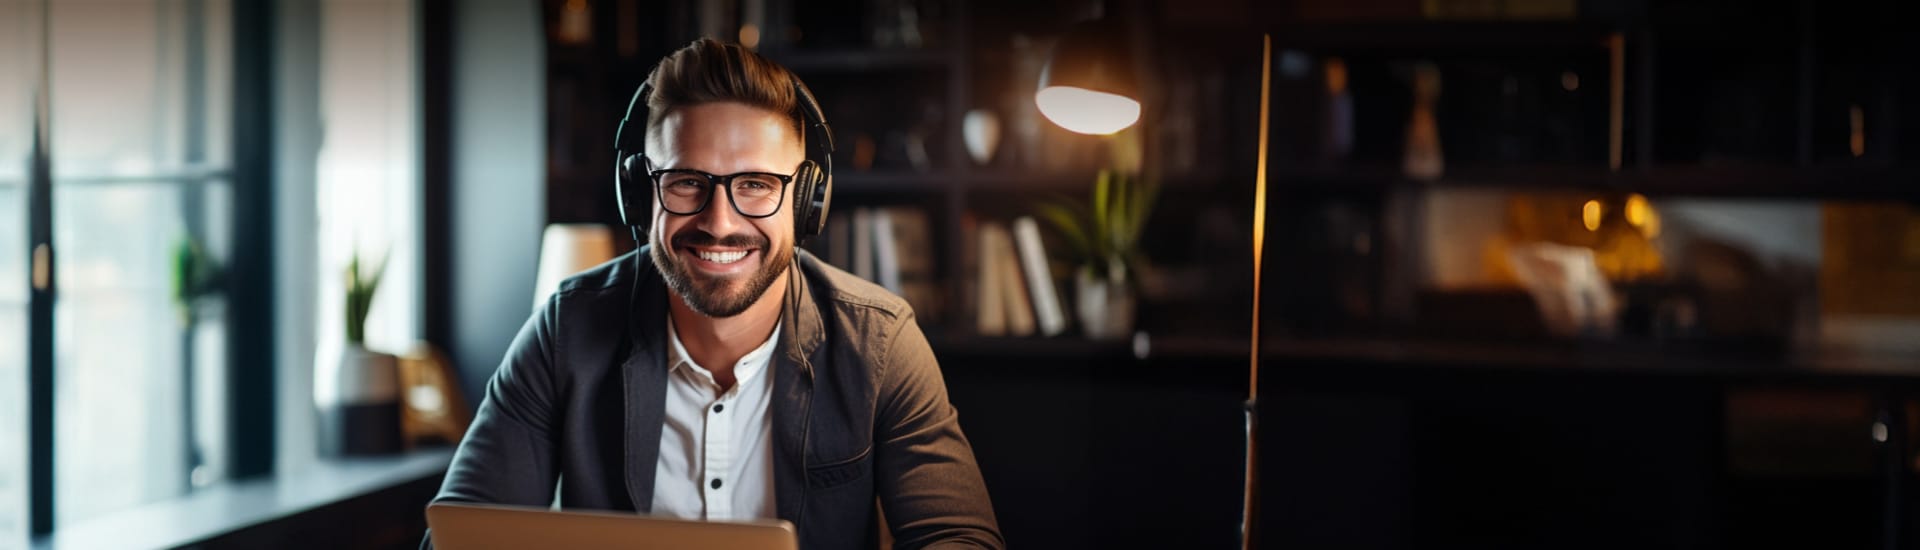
(718,218)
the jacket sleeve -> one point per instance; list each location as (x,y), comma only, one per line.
(507,456)
(930,488)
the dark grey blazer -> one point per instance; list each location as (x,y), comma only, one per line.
(859,410)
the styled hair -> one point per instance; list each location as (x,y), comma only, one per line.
(709,71)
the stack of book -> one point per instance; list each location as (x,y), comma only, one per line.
(1011,291)
(892,246)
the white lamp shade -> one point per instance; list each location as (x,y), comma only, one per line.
(567,249)
(1087,111)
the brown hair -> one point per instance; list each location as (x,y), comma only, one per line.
(709,71)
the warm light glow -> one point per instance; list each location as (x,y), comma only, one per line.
(1640,214)
(1591,215)
(1856,130)
(1637,210)
(1087,111)
(1570,81)
(750,36)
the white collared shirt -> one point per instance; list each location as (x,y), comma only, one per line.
(716,450)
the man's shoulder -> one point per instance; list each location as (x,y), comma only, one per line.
(848,292)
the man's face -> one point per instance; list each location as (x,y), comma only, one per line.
(700,255)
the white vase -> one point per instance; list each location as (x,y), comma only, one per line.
(1105,304)
(357,393)
(981,131)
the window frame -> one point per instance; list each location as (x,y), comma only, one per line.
(250,390)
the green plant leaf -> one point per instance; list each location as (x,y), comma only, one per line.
(1146,192)
(1117,219)
(1102,189)
(1063,217)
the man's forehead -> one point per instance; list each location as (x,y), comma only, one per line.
(726,133)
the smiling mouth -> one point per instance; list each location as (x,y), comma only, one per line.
(722,257)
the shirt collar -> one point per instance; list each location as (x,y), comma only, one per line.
(750,365)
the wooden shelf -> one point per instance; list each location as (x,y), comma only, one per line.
(1073,183)
(893,181)
(1071,345)
(1587,357)
(860,61)
(1745,181)
(1424,35)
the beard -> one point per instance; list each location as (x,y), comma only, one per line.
(718,296)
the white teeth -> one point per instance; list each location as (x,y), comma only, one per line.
(723,257)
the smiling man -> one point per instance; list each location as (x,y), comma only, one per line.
(719,373)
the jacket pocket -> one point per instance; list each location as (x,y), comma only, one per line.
(834,474)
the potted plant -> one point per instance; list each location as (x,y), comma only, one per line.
(359,394)
(1103,236)
(196,278)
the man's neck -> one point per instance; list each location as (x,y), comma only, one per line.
(717,343)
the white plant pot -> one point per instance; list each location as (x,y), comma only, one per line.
(1105,304)
(357,393)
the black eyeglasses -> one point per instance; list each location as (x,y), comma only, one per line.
(753,194)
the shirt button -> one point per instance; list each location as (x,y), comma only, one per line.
(717,407)
(715,484)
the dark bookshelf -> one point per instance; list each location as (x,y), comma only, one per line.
(862,61)
(1756,181)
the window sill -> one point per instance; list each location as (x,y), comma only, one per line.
(224,509)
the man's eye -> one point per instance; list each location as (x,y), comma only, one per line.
(685,182)
(756,185)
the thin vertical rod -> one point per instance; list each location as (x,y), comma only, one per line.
(1249,504)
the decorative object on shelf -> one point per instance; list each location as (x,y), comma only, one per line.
(196,278)
(358,392)
(1104,238)
(863,151)
(1423,157)
(566,249)
(1338,141)
(435,410)
(576,23)
(1574,299)
(981,128)
(895,24)
(1087,85)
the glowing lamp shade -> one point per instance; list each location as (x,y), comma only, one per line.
(1087,85)
(1087,111)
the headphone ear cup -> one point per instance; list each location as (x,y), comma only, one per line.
(810,193)
(822,199)
(632,196)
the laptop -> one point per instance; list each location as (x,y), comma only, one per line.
(461,526)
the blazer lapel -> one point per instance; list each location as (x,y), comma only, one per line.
(792,406)
(644,385)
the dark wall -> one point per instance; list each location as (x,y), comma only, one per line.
(496,170)
(1099,450)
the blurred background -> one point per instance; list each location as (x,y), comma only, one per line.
(1532,273)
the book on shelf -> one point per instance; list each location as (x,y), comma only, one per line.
(837,243)
(862,243)
(1005,309)
(1033,261)
(890,246)
(903,258)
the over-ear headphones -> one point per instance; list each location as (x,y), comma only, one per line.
(812,184)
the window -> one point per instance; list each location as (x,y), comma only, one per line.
(19,62)
(157,214)
(138,114)
(139,154)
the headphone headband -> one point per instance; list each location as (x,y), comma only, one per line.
(812,186)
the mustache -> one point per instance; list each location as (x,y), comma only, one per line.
(696,237)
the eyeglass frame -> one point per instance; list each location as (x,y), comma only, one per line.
(724,181)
